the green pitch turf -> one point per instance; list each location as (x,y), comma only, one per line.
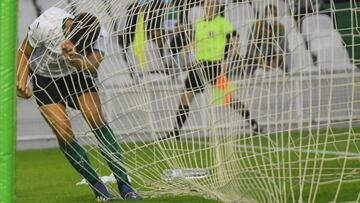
(46,176)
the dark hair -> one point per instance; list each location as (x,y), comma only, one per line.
(85,30)
(270,7)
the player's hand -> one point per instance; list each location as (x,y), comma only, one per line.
(180,28)
(68,50)
(22,90)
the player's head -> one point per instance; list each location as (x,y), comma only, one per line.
(85,30)
(212,8)
(270,11)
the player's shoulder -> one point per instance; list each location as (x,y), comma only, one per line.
(55,11)
(200,21)
(52,14)
(223,20)
(224,23)
(103,33)
(50,18)
(49,25)
(101,42)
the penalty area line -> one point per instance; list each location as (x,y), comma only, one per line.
(287,149)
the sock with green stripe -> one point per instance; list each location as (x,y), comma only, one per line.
(111,152)
(79,160)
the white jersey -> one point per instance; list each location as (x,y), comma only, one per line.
(45,36)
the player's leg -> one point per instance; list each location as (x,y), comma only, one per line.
(57,118)
(90,106)
(213,71)
(195,83)
(242,109)
(49,96)
(183,111)
(181,114)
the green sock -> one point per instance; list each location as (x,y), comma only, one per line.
(111,152)
(79,160)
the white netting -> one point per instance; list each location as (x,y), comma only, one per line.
(291,71)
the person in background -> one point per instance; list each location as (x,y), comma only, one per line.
(175,29)
(151,12)
(267,47)
(214,41)
(164,21)
(309,6)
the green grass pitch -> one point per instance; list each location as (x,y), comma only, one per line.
(46,176)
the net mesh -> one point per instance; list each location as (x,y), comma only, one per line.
(287,69)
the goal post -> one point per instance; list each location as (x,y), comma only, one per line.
(8,16)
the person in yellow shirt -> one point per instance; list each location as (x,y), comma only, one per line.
(214,40)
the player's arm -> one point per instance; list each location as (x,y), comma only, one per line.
(93,60)
(233,41)
(231,49)
(90,62)
(231,46)
(22,69)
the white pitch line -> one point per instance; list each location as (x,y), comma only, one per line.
(327,152)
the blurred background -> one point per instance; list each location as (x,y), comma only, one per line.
(33,132)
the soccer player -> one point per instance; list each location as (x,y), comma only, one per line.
(164,19)
(268,41)
(151,11)
(304,7)
(174,29)
(213,37)
(63,52)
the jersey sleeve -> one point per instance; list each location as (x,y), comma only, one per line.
(41,30)
(34,34)
(227,27)
(100,44)
(47,28)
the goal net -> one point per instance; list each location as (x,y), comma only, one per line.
(273,119)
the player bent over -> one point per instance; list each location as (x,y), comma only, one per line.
(213,37)
(63,53)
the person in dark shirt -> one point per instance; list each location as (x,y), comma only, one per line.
(267,45)
(164,20)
